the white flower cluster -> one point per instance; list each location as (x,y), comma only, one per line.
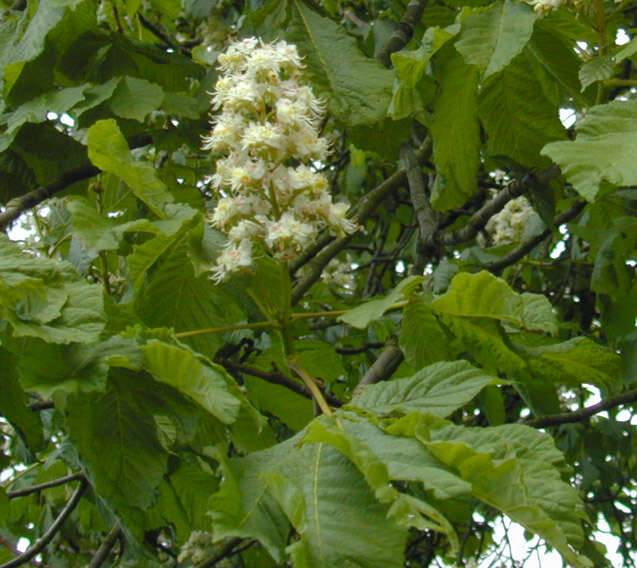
(510,224)
(197,548)
(545,6)
(268,133)
(339,274)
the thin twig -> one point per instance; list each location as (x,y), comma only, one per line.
(45,485)
(41,405)
(404,32)
(480,218)
(229,550)
(526,247)
(105,547)
(18,205)
(44,540)
(583,413)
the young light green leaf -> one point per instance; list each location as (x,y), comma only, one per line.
(597,69)
(602,150)
(439,389)
(491,38)
(108,150)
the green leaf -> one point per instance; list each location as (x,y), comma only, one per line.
(413,87)
(35,111)
(485,295)
(361,316)
(129,462)
(13,404)
(205,384)
(422,339)
(175,297)
(597,69)
(108,150)
(45,298)
(576,361)
(315,483)
(491,38)
(330,55)
(602,149)
(511,467)
(455,131)
(136,98)
(518,117)
(439,389)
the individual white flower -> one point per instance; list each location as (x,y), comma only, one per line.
(544,6)
(268,133)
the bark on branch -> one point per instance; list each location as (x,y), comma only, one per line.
(18,205)
(404,32)
(46,485)
(583,413)
(44,540)
(105,547)
(277,378)
(384,367)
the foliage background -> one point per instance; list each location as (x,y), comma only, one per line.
(143,404)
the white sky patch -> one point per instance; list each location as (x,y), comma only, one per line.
(568,117)
(22,544)
(622,37)
(67,120)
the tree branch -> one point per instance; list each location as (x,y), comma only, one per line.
(526,247)
(105,547)
(426,217)
(404,32)
(277,378)
(44,540)
(229,550)
(583,413)
(383,368)
(46,485)
(361,212)
(18,205)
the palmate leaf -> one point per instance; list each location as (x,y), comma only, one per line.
(602,150)
(513,468)
(491,38)
(334,510)
(438,389)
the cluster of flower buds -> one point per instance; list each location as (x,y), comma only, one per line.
(545,6)
(197,548)
(510,224)
(267,135)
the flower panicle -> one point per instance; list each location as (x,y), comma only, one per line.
(267,136)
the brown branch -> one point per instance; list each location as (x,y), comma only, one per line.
(364,208)
(583,413)
(229,550)
(357,350)
(41,405)
(277,378)
(526,247)
(425,215)
(105,547)
(384,367)
(46,485)
(480,218)
(18,205)
(56,525)
(404,32)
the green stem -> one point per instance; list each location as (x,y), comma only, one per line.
(221,329)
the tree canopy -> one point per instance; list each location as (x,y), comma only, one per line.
(316,284)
